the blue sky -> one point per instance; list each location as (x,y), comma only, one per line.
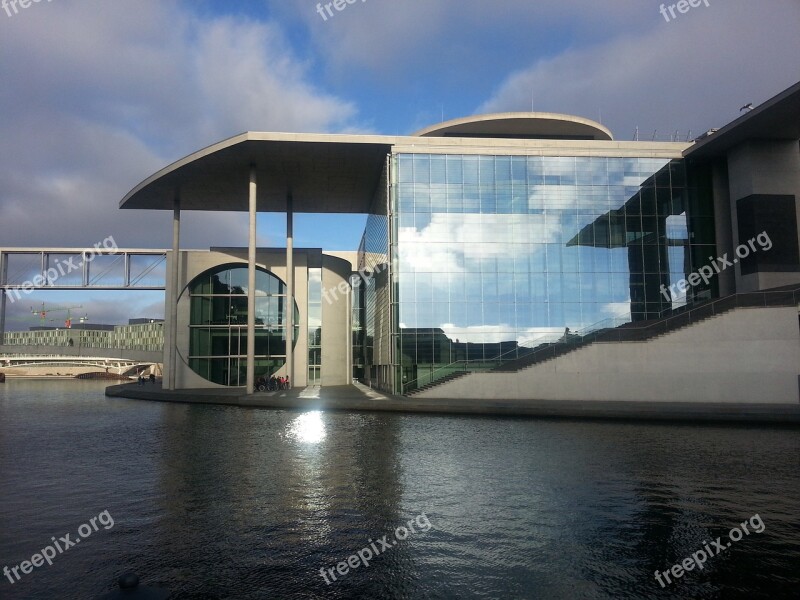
(96,95)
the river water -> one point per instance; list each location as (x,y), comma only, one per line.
(225,502)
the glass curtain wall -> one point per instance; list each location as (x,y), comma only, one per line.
(375,293)
(358,284)
(218,324)
(314,326)
(496,255)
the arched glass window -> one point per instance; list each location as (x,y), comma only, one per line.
(218,324)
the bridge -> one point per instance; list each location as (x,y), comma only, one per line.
(101,267)
(47,361)
(143,356)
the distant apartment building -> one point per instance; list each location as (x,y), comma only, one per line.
(138,334)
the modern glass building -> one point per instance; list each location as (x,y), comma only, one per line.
(485,239)
(483,255)
(493,255)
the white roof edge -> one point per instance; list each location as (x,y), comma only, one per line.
(529,115)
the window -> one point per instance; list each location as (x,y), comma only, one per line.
(218,324)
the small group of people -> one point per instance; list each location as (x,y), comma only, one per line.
(272,384)
(141,380)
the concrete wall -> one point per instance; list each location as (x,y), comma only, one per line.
(743,356)
(336,363)
(763,167)
(193,263)
(724,224)
(336,313)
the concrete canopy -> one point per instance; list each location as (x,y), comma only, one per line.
(777,119)
(324,173)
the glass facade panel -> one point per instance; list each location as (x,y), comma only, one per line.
(314,326)
(374,333)
(495,255)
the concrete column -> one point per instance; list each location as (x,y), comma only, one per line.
(2,317)
(127,258)
(3,274)
(723,224)
(348,339)
(290,289)
(174,293)
(251,285)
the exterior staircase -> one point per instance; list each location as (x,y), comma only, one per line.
(445,379)
(639,331)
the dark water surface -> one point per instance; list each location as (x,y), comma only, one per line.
(219,502)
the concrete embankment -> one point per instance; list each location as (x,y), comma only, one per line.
(360,398)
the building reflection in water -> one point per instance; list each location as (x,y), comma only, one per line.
(283,490)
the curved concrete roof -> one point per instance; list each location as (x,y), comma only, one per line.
(341,173)
(520,125)
(323,172)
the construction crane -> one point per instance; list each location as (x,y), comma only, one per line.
(42,314)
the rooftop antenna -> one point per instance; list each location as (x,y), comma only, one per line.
(636,134)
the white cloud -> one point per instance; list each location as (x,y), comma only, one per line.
(97,96)
(455,243)
(502,332)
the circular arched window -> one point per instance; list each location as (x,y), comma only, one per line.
(218,324)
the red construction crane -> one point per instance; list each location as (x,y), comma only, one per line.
(68,323)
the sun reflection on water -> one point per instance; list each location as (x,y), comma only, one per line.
(307,428)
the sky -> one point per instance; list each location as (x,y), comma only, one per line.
(96,95)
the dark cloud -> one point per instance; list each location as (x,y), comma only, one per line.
(690,74)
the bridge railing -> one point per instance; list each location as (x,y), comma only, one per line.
(72,351)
